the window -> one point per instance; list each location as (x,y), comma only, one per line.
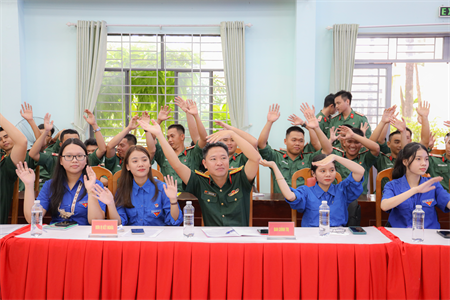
(403,70)
(145,72)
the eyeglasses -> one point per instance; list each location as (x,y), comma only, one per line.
(71,157)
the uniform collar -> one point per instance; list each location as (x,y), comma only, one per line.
(146,187)
(286,156)
(319,192)
(404,185)
(76,183)
(211,180)
(350,116)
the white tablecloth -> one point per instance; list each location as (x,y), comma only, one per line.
(304,235)
(430,236)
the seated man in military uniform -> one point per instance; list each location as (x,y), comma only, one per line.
(224,195)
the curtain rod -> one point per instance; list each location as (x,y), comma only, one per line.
(160,26)
(399,25)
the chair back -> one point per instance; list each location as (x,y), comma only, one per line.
(383,174)
(15,203)
(115,185)
(305,174)
(158,175)
(100,172)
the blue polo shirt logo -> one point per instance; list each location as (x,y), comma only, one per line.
(85,204)
(156,212)
(428,201)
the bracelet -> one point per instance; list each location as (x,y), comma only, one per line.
(176,203)
(280,178)
(98,129)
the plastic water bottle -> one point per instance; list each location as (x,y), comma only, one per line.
(36,219)
(418,220)
(188,212)
(324,219)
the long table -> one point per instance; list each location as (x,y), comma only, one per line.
(71,265)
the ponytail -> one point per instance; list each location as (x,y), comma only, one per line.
(408,153)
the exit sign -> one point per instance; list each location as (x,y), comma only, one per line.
(444,11)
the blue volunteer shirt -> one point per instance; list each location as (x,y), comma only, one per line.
(81,207)
(338,197)
(148,212)
(401,215)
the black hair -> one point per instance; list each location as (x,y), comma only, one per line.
(358,131)
(447,136)
(329,100)
(408,153)
(41,126)
(344,95)
(294,128)
(90,142)
(57,188)
(1,128)
(410,132)
(209,146)
(317,158)
(394,133)
(68,131)
(178,127)
(131,138)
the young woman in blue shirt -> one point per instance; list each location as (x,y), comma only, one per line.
(141,199)
(408,188)
(69,194)
(307,200)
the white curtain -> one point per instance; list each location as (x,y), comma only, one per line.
(344,45)
(91,59)
(233,51)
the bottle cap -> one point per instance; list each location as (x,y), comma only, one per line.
(188,202)
(323,202)
(418,206)
(37,201)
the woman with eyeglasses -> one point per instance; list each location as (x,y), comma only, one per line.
(69,194)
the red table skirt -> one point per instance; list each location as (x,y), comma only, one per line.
(56,269)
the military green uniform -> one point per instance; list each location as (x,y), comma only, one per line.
(384,161)
(440,166)
(190,157)
(364,158)
(286,165)
(384,148)
(324,123)
(53,148)
(237,160)
(50,161)
(228,205)
(354,119)
(8,177)
(114,164)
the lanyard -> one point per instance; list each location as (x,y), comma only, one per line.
(64,214)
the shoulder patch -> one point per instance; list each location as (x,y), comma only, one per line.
(201,174)
(338,149)
(436,155)
(363,151)
(387,155)
(282,151)
(319,118)
(234,171)
(335,116)
(55,154)
(191,147)
(360,114)
(237,154)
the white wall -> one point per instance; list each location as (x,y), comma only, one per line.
(288,50)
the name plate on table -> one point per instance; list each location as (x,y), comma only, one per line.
(104,228)
(281,231)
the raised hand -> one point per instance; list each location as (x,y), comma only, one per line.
(163,114)
(103,194)
(388,114)
(274,113)
(265,163)
(25,174)
(90,117)
(222,124)
(400,125)
(311,119)
(219,135)
(364,128)
(432,140)
(191,107)
(145,117)
(170,188)
(428,186)
(447,123)
(345,132)
(295,120)
(181,103)
(423,109)
(89,183)
(133,123)
(329,159)
(153,127)
(333,136)
(27,111)
(48,126)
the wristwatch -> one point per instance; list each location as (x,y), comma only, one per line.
(98,129)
